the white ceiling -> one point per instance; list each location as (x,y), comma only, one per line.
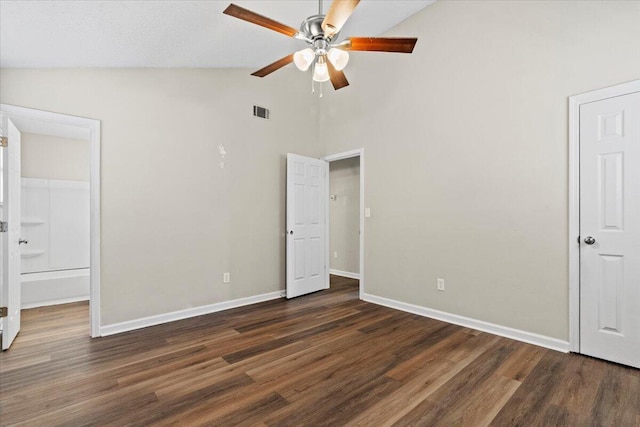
(177,33)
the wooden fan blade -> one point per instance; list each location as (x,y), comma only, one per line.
(273,67)
(382,44)
(254,18)
(339,12)
(338,79)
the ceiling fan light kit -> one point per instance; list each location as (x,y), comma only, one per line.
(320,71)
(304,58)
(319,31)
(338,57)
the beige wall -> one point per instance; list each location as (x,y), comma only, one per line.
(173,220)
(52,157)
(344,214)
(466,151)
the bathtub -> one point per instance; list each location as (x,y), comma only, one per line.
(54,287)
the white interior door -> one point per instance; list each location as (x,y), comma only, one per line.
(306,225)
(10,249)
(610,229)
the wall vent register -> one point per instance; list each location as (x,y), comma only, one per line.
(260,112)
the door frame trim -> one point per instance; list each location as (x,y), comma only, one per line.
(574,197)
(93,127)
(359,152)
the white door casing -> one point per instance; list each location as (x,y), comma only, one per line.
(359,152)
(11,250)
(306,225)
(609,132)
(2,235)
(46,122)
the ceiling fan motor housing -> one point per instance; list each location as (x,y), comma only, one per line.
(312,29)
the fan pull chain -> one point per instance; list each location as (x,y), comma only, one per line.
(313,86)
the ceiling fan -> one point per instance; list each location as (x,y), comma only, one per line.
(320,31)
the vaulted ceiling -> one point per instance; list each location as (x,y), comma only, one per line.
(179,33)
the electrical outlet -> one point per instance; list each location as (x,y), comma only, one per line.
(335,255)
(440,284)
(226,277)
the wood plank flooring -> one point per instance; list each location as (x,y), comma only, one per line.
(323,359)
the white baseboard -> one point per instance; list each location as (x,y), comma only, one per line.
(503,331)
(53,302)
(144,322)
(344,274)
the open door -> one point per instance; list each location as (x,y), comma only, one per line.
(610,229)
(10,238)
(306,225)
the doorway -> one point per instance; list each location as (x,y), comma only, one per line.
(54,233)
(605,223)
(345,213)
(36,122)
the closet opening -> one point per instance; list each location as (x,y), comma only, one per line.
(345,219)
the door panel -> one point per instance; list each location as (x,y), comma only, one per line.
(306,225)
(610,291)
(10,250)
(610,214)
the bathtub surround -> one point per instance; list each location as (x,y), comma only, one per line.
(55,224)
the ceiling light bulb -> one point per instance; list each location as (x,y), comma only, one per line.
(338,57)
(304,58)
(321,73)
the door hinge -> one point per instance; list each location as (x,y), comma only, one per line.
(4,227)
(4,312)
(4,142)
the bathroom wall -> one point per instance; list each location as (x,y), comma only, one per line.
(53,157)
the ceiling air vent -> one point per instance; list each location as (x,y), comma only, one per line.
(260,112)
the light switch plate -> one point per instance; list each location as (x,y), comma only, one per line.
(367,212)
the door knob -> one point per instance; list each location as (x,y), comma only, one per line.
(21,241)
(291,232)
(589,240)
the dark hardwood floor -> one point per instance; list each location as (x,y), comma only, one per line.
(321,359)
